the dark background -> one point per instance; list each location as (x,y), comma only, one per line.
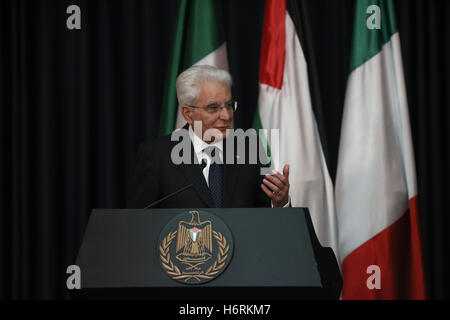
(75,105)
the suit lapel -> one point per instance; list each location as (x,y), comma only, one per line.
(230,175)
(193,173)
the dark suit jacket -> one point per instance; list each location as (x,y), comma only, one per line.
(155,176)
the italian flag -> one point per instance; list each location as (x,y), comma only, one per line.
(286,103)
(376,192)
(199,40)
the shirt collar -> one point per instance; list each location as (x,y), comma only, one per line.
(200,145)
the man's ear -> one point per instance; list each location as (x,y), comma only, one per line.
(187,114)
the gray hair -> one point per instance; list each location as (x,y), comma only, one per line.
(188,82)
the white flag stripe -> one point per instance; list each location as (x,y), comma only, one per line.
(375,176)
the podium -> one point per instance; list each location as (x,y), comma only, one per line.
(276,255)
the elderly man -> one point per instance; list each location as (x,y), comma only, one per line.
(204,94)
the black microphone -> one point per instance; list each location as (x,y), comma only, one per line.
(202,166)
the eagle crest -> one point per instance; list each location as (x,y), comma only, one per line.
(194,241)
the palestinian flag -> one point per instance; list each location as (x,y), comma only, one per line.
(289,101)
(376,192)
(199,40)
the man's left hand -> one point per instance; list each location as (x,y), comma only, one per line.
(276,187)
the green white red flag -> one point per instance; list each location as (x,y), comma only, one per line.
(376,191)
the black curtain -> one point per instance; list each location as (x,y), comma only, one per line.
(75,105)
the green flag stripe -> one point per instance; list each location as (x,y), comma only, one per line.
(204,31)
(368,42)
(168,115)
(198,32)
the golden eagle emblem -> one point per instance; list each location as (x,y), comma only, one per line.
(201,252)
(195,240)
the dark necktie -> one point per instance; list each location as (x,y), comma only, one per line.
(215,176)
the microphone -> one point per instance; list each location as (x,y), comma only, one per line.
(202,166)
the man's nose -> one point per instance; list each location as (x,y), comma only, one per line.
(224,114)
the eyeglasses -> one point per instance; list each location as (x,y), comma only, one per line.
(214,108)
